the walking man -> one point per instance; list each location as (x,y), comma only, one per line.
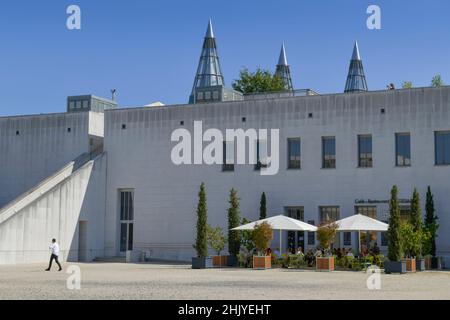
(54,247)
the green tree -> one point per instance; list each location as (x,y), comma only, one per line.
(258,82)
(407,85)
(416,223)
(201,244)
(247,237)
(216,238)
(262,236)
(234,237)
(437,81)
(395,252)
(410,239)
(431,226)
(263,207)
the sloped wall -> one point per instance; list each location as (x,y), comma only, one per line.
(26,234)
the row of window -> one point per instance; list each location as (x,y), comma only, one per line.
(365,151)
(79,104)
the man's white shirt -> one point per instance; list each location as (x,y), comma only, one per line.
(55,249)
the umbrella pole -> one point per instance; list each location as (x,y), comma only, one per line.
(359,241)
(281,250)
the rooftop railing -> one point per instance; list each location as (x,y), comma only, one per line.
(280,94)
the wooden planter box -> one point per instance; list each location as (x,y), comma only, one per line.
(410,265)
(262,262)
(220,261)
(325,263)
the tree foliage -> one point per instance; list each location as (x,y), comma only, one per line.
(431,226)
(259,81)
(411,240)
(262,236)
(326,234)
(247,237)
(395,251)
(234,237)
(216,238)
(263,207)
(407,85)
(437,81)
(201,244)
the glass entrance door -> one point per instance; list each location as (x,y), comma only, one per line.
(296,239)
(126,200)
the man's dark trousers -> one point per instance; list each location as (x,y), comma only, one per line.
(54,257)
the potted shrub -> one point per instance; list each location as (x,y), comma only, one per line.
(394,264)
(326,235)
(431,227)
(262,236)
(234,237)
(216,241)
(202,260)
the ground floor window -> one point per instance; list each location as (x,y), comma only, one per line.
(296,239)
(347,238)
(126,208)
(367,238)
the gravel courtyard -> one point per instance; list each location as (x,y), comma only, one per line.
(162,281)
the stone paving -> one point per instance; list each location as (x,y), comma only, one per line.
(163,281)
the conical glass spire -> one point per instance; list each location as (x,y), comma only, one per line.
(356,79)
(283,70)
(209,72)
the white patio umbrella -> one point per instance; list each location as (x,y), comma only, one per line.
(360,223)
(281,223)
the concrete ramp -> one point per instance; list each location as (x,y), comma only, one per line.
(54,209)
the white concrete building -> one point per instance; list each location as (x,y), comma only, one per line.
(102,181)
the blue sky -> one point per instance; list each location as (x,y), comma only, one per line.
(149,49)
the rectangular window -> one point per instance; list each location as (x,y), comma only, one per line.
(294,153)
(228,156)
(311,235)
(442,148)
(329,214)
(328,152)
(126,207)
(402,149)
(369,211)
(365,151)
(347,238)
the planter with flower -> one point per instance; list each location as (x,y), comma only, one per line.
(262,236)
(216,241)
(326,235)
